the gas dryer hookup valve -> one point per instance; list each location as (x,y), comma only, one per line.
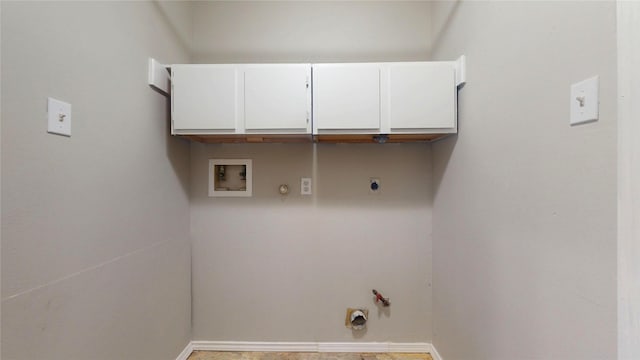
(385,301)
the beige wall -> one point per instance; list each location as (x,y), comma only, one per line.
(273,268)
(524,254)
(525,205)
(95,248)
(310,31)
(0,184)
(268,268)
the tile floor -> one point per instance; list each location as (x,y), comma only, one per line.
(229,355)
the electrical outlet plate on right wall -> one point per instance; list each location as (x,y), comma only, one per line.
(584,101)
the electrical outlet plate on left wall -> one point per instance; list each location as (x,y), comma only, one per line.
(584,101)
(59,117)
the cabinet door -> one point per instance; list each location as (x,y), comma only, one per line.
(346,96)
(422,95)
(204,97)
(277,97)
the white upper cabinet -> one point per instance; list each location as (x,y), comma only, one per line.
(422,96)
(204,97)
(385,98)
(346,97)
(277,97)
(320,99)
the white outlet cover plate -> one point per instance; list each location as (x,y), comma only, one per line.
(305,186)
(587,91)
(59,117)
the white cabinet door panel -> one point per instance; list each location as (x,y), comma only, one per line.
(346,96)
(277,97)
(204,97)
(422,95)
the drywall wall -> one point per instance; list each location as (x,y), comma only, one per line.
(524,204)
(628,179)
(310,31)
(285,268)
(178,17)
(0,185)
(270,268)
(95,246)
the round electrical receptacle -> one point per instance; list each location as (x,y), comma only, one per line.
(374,185)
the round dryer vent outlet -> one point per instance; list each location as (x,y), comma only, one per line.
(356,318)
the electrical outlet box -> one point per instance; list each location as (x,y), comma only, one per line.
(305,186)
(58,117)
(374,185)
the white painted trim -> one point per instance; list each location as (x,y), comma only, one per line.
(369,347)
(628,26)
(410,347)
(460,66)
(158,77)
(347,347)
(255,346)
(184,355)
(433,352)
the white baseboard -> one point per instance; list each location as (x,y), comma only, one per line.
(365,347)
(434,353)
(184,355)
(347,347)
(255,346)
